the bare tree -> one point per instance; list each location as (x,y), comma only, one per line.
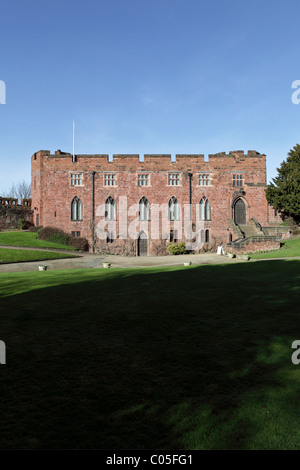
(19,190)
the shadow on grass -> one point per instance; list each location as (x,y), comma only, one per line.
(173,358)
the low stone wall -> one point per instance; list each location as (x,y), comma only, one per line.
(284,231)
(252,244)
(11,214)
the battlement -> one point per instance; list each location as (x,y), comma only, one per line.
(11,213)
(13,202)
(151,158)
(238,154)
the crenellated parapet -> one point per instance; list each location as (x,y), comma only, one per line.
(13,202)
(8,201)
(153,159)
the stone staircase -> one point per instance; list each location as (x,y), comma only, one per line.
(248,231)
(252,233)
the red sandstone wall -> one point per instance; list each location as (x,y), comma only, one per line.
(52,193)
(11,215)
(256,245)
(274,217)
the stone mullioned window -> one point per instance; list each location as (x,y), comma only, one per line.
(110,179)
(238,180)
(204,179)
(173,179)
(143,179)
(76,179)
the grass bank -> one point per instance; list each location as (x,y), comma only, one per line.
(290,248)
(29,239)
(16,256)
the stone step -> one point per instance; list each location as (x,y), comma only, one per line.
(248,231)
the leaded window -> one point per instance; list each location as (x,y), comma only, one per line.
(204,209)
(110,179)
(143,179)
(76,179)
(238,179)
(174,209)
(173,179)
(76,209)
(144,209)
(204,179)
(110,209)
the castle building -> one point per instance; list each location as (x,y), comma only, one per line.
(129,206)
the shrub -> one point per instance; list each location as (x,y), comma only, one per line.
(208,248)
(22,224)
(177,248)
(79,243)
(35,229)
(60,238)
(54,235)
(288,222)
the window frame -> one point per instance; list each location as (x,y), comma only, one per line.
(173,209)
(76,201)
(144,209)
(174,176)
(109,213)
(110,177)
(143,177)
(76,176)
(206,180)
(237,179)
(76,233)
(204,209)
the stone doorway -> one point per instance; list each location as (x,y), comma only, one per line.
(142,245)
(240,212)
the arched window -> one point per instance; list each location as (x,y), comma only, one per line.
(76,209)
(110,209)
(206,236)
(204,209)
(174,209)
(207,210)
(144,209)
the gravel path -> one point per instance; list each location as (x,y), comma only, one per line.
(90,260)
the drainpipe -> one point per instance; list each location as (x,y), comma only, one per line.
(190,188)
(93,211)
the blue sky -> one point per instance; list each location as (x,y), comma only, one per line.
(167,76)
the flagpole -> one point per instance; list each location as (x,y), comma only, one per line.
(73,141)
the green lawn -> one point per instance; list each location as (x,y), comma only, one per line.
(15,256)
(155,358)
(290,248)
(29,239)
